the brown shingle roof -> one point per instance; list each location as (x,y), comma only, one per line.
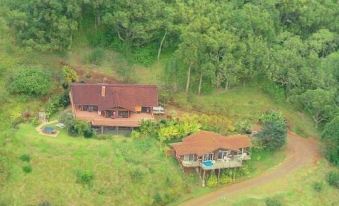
(205,142)
(124,95)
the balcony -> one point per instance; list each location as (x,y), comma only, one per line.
(190,163)
(220,164)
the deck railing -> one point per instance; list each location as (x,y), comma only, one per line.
(235,161)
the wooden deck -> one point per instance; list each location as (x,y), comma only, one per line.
(97,120)
(236,161)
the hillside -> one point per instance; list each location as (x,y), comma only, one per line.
(218,67)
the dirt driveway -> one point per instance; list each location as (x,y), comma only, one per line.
(300,152)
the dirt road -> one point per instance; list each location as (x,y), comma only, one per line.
(299,152)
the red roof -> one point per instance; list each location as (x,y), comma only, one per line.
(204,142)
(127,96)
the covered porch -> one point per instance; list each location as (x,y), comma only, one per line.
(98,120)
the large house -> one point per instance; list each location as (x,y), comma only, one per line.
(108,106)
(206,151)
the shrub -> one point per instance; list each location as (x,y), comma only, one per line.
(67,119)
(212,181)
(157,199)
(243,127)
(75,127)
(64,100)
(89,132)
(85,177)
(274,132)
(273,202)
(333,179)
(69,75)
(25,158)
(317,186)
(27,169)
(52,106)
(31,82)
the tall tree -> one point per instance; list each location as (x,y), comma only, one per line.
(45,24)
(136,22)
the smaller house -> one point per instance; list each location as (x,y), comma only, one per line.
(207,151)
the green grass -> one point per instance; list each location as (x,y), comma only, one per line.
(125,171)
(295,189)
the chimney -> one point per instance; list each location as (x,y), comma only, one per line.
(103,91)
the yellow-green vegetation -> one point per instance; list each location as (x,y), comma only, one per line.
(306,186)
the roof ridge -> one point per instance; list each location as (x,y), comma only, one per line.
(113,85)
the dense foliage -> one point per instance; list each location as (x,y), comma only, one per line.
(331,138)
(31,82)
(75,127)
(44,25)
(168,130)
(333,179)
(274,131)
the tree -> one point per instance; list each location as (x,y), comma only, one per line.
(69,76)
(323,42)
(274,131)
(32,82)
(319,103)
(330,135)
(45,25)
(136,22)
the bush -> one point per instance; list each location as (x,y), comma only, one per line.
(25,158)
(75,127)
(52,106)
(273,202)
(212,181)
(64,100)
(333,179)
(27,169)
(85,177)
(274,132)
(89,132)
(243,127)
(78,128)
(317,186)
(31,82)
(69,75)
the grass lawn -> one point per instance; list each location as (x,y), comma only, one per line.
(125,172)
(296,189)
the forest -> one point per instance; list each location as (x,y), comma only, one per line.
(289,49)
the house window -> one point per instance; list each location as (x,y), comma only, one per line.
(189,157)
(123,114)
(208,156)
(89,108)
(222,154)
(145,109)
